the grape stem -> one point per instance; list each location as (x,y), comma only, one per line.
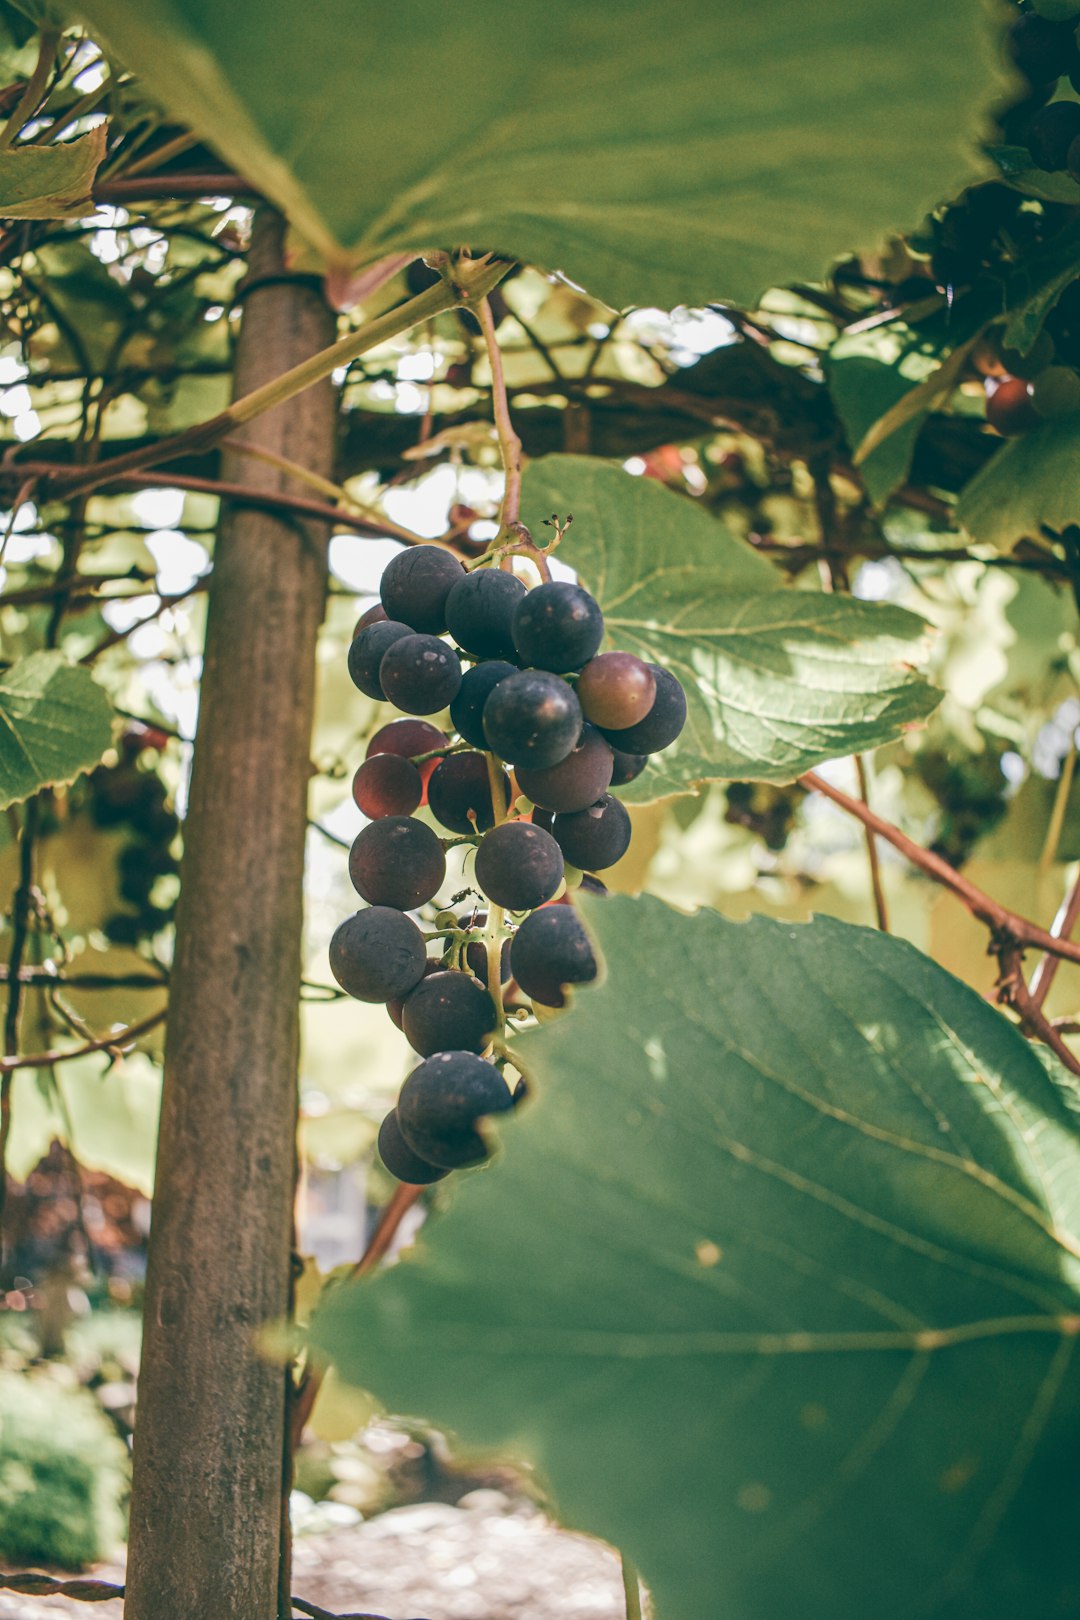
(494,944)
(496,916)
(439,753)
(509,443)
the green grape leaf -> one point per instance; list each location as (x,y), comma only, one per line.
(51,182)
(777,680)
(1032,483)
(670,158)
(1037,283)
(55,721)
(1016,167)
(868,374)
(775,1280)
(107,1115)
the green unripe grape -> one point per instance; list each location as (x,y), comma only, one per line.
(1056,392)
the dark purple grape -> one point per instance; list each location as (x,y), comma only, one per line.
(1042,50)
(519,865)
(467,709)
(448,1012)
(387,785)
(461,785)
(377,954)
(532,718)
(367,651)
(594,838)
(373,615)
(627,767)
(616,690)
(395,1005)
(661,725)
(441,1103)
(480,612)
(551,950)
(397,862)
(1051,133)
(420,674)
(577,781)
(416,584)
(399,1158)
(558,627)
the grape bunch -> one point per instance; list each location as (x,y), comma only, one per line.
(542,726)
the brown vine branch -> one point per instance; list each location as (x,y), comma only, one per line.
(1013,990)
(1061,928)
(105,1043)
(22,907)
(29,1583)
(509,442)
(1005,924)
(307,1390)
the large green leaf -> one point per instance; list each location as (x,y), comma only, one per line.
(55,721)
(775,1280)
(1031,484)
(671,156)
(776,679)
(51,182)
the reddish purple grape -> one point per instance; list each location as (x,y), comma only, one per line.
(387,785)
(616,690)
(663,723)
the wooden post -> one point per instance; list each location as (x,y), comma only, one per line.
(211,1414)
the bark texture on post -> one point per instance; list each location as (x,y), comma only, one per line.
(208,1447)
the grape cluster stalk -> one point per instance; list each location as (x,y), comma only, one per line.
(543,728)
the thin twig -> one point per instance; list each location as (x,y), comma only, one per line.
(30,1583)
(509,443)
(1033,1021)
(1005,923)
(21,913)
(30,99)
(26,489)
(405,1196)
(880,907)
(1061,927)
(336,492)
(1057,813)
(472,285)
(106,1043)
